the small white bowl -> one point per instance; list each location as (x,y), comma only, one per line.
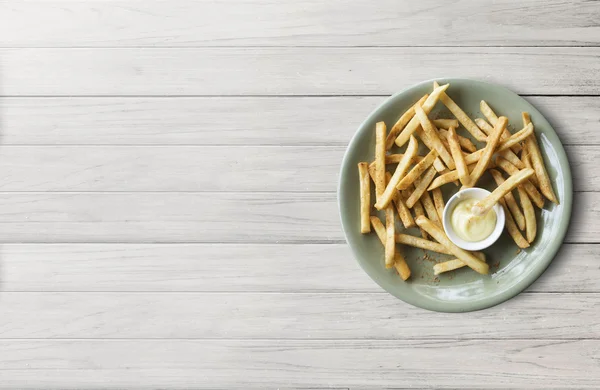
(472,193)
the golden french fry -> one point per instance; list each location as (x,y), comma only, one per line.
(430,209)
(403,211)
(457,155)
(414,124)
(527,162)
(384,200)
(512,229)
(401,266)
(421,187)
(534,194)
(417,171)
(445,123)
(379,159)
(422,243)
(483,125)
(488,113)
(486,204)
(488,151)
(513,140)
(510,201)
(461,116)
(395,158)
(434,139)
(530,222)
(447,177)
(464,142)
(365,197)
(510,156)
(439,235)
(538,163)
(401,122)
(390,238)
(453,264)
(438,200)
(419,210)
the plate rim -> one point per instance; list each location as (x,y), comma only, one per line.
(521,285)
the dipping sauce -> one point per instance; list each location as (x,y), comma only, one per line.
(469,226)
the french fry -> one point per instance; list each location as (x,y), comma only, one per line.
(488,113)
(466,257)
(430,209)
(434,139)
(464,142)
(403,211)
(417,171)
(395,158)
(493,118)
(445,123)
(447,177)
(437,163)
(381,232)
(488,151)
(530,222)
(457,155)
(379,159)
(453,264)
(421,187)
(422,243)
(483,125)
(420,210)
(538,163)
(386,197)
(390,237)
(512,229)
(527,162)
(365,197)
(461,116)
(401,266)
(513,140)
(510,201)
(534,194)
(510,156)
(401,122)
(486,204)
(438,200)
(414,124)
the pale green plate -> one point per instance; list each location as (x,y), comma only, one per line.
(511,270)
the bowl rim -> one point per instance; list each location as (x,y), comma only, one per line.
(527,280)
(476,245)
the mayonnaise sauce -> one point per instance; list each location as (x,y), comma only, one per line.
(469,226)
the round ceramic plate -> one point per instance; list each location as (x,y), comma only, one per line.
(511,269)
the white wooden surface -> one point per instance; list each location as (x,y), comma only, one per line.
(167,194)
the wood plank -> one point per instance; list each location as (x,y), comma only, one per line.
(171,217)
(206,168)
(287,316)
(169,168)
(225,364)
(156,23)
(249,120)
(249,268)
(288,71)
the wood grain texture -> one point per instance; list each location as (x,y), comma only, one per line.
(249,268)
(289,71)
(290,121)
(209,217)
(308,22)
(124,315)
(225,364)
(203,168)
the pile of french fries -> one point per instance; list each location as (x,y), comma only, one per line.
(413,192)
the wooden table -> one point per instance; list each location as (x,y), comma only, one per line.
(167,194)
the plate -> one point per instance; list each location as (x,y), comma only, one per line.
(511,269)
